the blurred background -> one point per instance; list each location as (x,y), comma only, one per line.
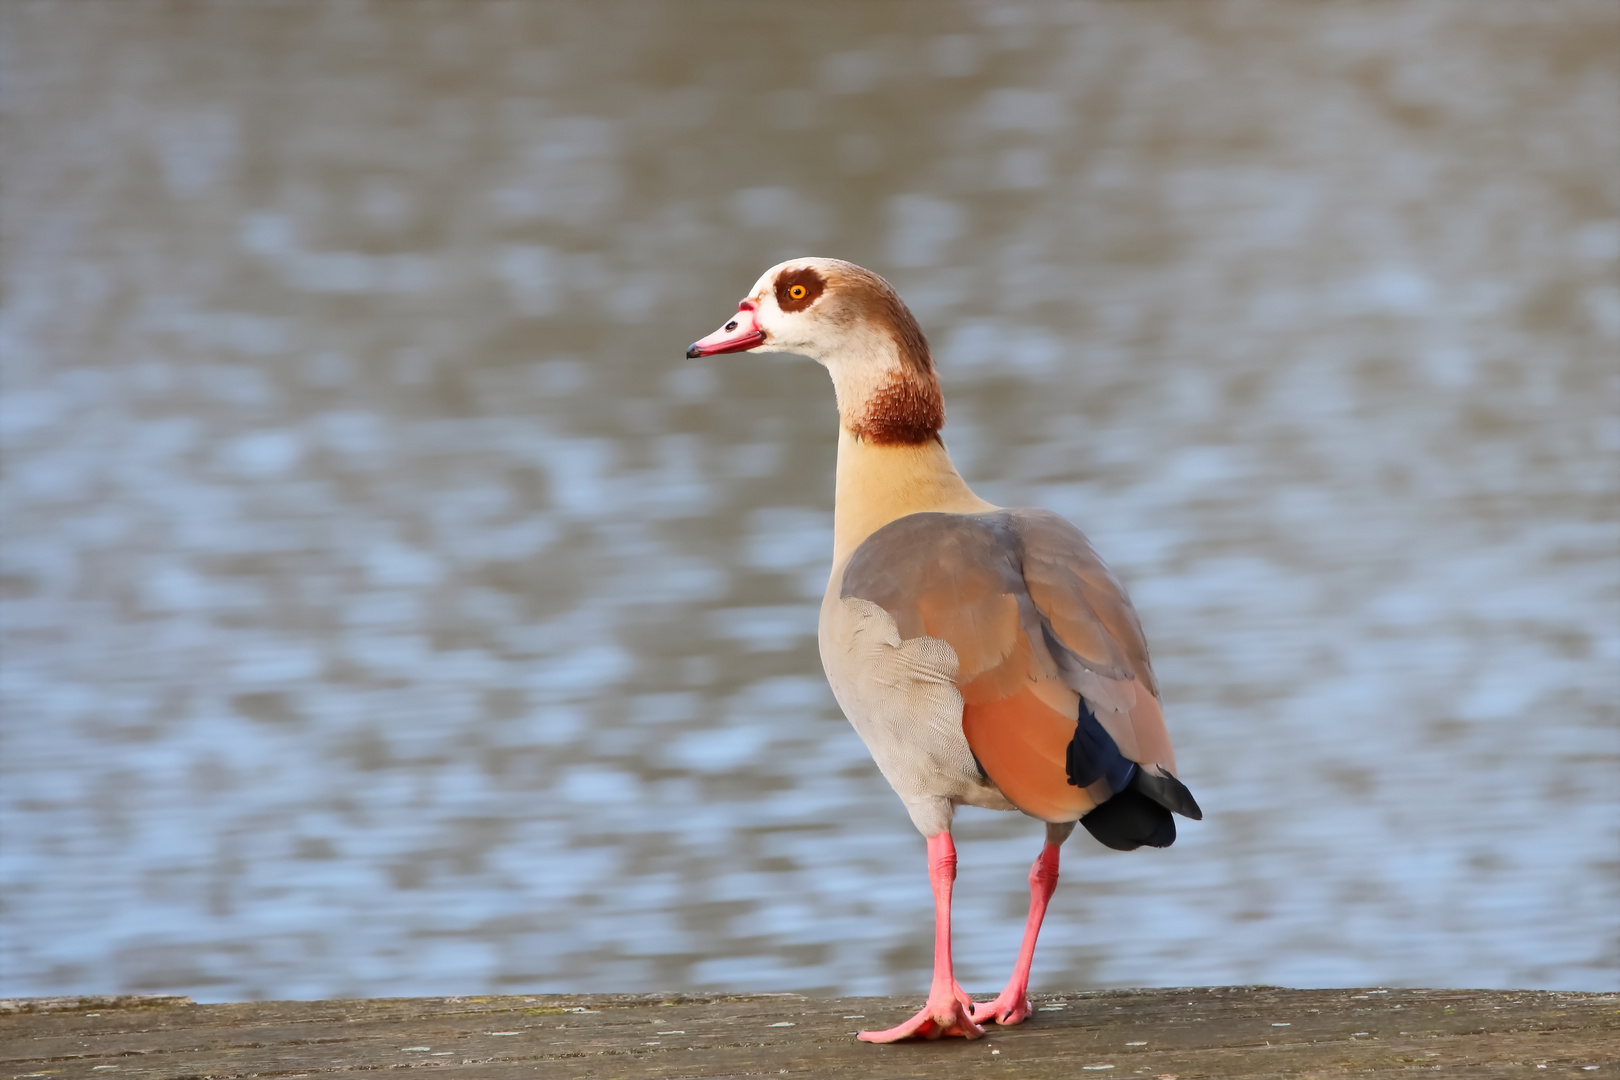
(389,608)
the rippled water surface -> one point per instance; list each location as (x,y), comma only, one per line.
(390,609)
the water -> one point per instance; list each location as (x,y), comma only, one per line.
(390,609)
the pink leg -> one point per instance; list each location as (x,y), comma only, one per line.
(1012,1007)
(949,1010)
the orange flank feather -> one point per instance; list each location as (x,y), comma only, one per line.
(1022,743)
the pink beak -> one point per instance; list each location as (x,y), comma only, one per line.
(738,335)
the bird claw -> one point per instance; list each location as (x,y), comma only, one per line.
(1006,1010)
(943,1016)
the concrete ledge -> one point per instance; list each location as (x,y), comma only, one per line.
(1241,1031)
(89,1003)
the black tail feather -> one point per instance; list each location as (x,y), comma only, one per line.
(1137,799)
(1129,820)
(1168,792)
(1141,813)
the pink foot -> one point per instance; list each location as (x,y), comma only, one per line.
(949,1010)
(1006,1010)
(946,1016)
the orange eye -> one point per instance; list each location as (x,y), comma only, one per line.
(796,292)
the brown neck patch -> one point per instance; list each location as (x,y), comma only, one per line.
(907,408)
(905,411)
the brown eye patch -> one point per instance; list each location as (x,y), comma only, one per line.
(798,289)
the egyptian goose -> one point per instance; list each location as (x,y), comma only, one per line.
(985,656)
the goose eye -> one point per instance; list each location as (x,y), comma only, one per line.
(796,292)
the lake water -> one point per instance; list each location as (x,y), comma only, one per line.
(389,608)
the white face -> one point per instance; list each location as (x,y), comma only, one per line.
(781,313)
(799,331)
(830,311)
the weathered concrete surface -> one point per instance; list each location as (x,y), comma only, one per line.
(1205,1032)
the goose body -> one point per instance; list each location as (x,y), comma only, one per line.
(986,656)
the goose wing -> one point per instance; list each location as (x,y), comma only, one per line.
(1059,700)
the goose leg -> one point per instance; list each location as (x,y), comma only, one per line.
(1012,1006)
(949,1010)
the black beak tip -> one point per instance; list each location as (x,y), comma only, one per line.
(693,352)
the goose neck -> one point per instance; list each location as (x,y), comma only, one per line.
(881,482)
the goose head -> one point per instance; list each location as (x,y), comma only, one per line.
(852,322)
